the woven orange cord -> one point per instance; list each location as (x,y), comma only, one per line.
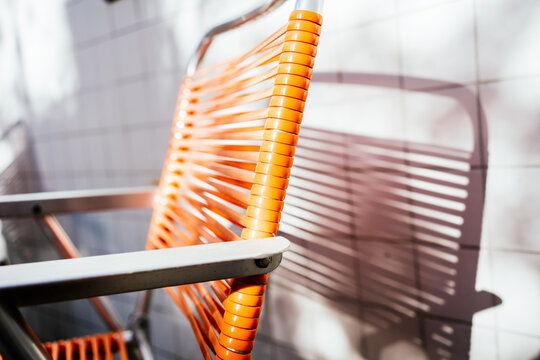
(243,305)
(229,157)
(95,347)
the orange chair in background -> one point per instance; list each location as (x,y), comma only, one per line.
(225,176)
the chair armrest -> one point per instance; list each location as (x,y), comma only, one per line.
(69,279)
(56,202)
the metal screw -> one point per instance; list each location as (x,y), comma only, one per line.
(263,263)
(36,209)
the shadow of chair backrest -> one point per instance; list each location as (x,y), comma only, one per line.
(389,230)
(19,174)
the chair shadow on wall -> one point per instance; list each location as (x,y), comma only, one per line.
(390,231)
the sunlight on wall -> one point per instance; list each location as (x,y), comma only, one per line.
(7,155)
(11,106)
(403,350)
(43,41)
(336,345)
(328,334)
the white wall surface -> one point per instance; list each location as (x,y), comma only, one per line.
(416,229)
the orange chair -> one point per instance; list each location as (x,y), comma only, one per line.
(232,144)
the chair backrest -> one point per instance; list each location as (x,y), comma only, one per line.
(233,138)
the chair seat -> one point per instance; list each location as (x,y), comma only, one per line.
(94,347)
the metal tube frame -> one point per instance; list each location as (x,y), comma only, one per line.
(140,327)
(80,278)
(143,304)
(17,340)
(140,324)
(204,44)
(207,39)
(57,202)
(67,250)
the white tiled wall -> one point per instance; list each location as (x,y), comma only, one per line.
(421,240)
(506,32)
(437,42)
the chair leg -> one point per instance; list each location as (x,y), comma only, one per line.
(54,231)
(4,259)
(143,304)
(140,328)
(139,324)
(17,340)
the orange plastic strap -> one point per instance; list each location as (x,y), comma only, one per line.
(240,321)
(284,125)
(243,304)
(293,80)
(272,181)
(89,347)
(277,148)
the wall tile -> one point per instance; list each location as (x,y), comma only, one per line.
(438,43)
(381,204)
(516,274)
(161,144)
(263,350)
(118,156)
(347,14)
(447,206)
(513,346)
(89,20)
(510,220)
(286,353)
(415,5)
(330,335)
(44,157)
(507,33)
(87,66)
(133,102)
(89,111)
(105,63)
(61,156)
(210,17)
(80,156)
(163,8)
(387,336)
(140,150)
(377,45)
(124,13)
(387,281)
(97,153)
(452,340)
(148,9)
(159,48)
(444,119)
(376,116)
(173,335)
(110,109)
(161,95)
(188,31)
(446,278)
(483,343)
(511,109)
(127,55)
